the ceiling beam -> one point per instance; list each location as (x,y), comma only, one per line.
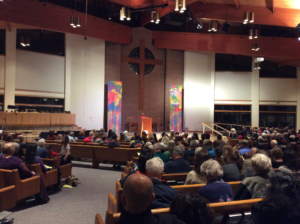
(237,4)
(228,44)
(273,6)
(145,19)
(287,62)
(282,17)
(56,18)
(132,3)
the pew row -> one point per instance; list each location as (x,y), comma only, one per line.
(222,208)
(113,202)
(98,219)
(7,197)
(50,177)
(66,170)
(170,177)
(23,188)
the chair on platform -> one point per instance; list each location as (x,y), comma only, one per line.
(131,125)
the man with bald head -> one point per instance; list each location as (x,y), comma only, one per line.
(136,199)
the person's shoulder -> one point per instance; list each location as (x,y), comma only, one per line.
(162,219)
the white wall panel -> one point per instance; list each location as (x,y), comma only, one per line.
(40,72)
(233,85)
(85,77)
(2,69)
(198,89)
(278,89)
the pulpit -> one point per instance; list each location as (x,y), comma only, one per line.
(146,124)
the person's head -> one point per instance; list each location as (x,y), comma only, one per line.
(277,153)
(291,160)
(273,144)
(91,133)
(207,136)
(41,143)
(21,138)
(137,137)
(216,143)
(114,137)
(178,152)
(176,134)
(157,147)
(171,146)
(125,133)
(8,149)
(155,168)
(81,133)
(193,144)
(201,157)
(109,133)
(219,137)
(9,138)
(261,164)
(203,136)
(151,137)
(30,154)
(246,155)
(191,208)
(233,130)
(67,132)
(212,170)
(165,140)
(58,137)
(142,162)
(72,133)
(245,143)
(253,151)
(172,134)
(65,140)
(137,193)
(195,134)
(218,152)
(51,132)
(264,135)
(206,142)
(230,155)
(198,149)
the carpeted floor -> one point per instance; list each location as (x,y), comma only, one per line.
(77,205)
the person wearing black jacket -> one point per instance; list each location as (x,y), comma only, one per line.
(137,197)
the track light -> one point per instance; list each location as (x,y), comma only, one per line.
(259,59)
(72,21)
(251,20)
(214,26)
(251,34)
(183,7)
(176,5)
(152,17)
(209,27)
(78,22)
(256,33)
(157,17)
(253,47)
(22,42)
(246,16)
(27,42)
(299,36)
(122,13)
(257,65)
(128,15)
(257,47)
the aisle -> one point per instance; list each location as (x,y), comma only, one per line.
(77,205)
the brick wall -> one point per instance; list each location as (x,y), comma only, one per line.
(112,61)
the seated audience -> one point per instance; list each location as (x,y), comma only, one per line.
(65,151)
(196,136)
(195,176)
(179,165)
(114,142)
(191,151)
(245,147)
(137,198)
(208,147)
(281,204)
(71,138)
(137,143)
(9,162)
(9,138)
(126,138)
(96,138)
(89,138)
(151,139)
(81,135)
(22,145)
(103,139)
(51,135)
(247,162)
(222,143)
(215,190)
(215,144)
(192,209)
(273,144)
(291,163)
(254,187)
(17,150)
(266,131)
(41,150)
(164,194)
(109,134)
(172,135)
(277,157)
(59,137)
(170,152)
(141,163)
(164,141)
(233,168)
(157,148)
(219,155)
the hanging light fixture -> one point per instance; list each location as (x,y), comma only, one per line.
(253,47)
(258,65)
(176,5)
(257,47)
(128,15)
(28,41)
(122,13)
(183,7)
(209,26)
(251,20)
(157,18)
(251,34)
(152,17)
(22,42)
(256,33)
(78,22)
(246,17)
(299,36)
(72,21)
(214,26)
(255,65)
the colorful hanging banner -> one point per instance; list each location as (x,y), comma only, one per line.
(114,106)
(176,108)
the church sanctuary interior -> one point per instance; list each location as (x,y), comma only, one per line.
(149,111)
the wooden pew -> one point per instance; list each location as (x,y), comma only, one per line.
(66,170)
(23,188)
(7,198)
(50,177)
(222,208)
(193,188)
(177,177)
(98,219)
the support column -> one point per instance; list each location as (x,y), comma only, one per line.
(255,96)
(10,67)
(67,75)
(298,100)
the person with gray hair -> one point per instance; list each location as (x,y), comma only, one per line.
(41,150)
(191,151)
(170,151)
(158,148)
(254,187)
(179,165)
(273,144)
(164,194)
(17,150)
(215,190)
